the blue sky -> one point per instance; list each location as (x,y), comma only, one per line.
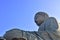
(20,13)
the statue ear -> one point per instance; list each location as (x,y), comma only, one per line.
(51,24)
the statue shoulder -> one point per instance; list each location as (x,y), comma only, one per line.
(51,24)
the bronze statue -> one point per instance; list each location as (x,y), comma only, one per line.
(48,27)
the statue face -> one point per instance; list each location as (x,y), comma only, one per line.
(39,20)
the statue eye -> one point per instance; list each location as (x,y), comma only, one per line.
(15,39)
(1,39)
(18,39)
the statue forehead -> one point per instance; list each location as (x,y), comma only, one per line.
(43,14)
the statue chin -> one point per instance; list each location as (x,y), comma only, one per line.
(39,23)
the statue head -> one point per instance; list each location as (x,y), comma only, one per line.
(40,17)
